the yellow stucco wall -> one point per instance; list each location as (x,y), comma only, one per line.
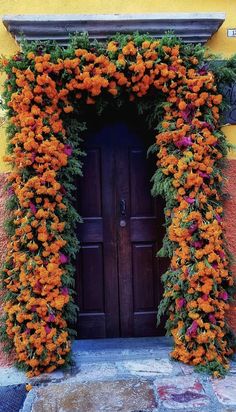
(218,44)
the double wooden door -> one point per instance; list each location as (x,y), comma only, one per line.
(118,274)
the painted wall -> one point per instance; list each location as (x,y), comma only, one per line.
(218,44)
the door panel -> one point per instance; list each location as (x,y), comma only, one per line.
(144,285)
(142,204)
(97,260)
(118,273)
(92,289)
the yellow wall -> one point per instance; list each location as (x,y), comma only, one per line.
(218,44)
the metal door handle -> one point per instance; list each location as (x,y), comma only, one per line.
(123,207)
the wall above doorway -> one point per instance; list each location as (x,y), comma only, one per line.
(191,27)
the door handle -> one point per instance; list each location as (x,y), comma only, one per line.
(123,207)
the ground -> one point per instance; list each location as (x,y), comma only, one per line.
(125,375)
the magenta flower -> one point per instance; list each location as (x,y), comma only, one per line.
(221,254)
(203,174)
(33,207)
(191,331)
(223,295)
(33,308)
(27,331)
(47,329)
(192,228)
(180,302)
(189,200)
(205,297)
(51,317)
(188,113)
(212,318)
(68,150)
(10,191)
(64,291)
(184,142)
(203,69)
(214,265)
(197,244)
(38,285)
(63,258)
(218,218)
(33,156)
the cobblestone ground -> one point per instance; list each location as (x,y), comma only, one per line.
(125,375)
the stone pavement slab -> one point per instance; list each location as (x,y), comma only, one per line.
(110,396)
(149,367)
(182,393)
(225,390)
(129,375)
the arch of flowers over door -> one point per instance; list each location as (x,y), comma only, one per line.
(46,90)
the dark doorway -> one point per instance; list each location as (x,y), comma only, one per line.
(118,274)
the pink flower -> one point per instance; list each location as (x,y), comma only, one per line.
(64,291)
(184,141)
(188,113)
(191,331)
(38,285)
(203,174)
(205,297)
(223,295)
(68,150)
(63,258)
(189,200)
(27,331)
(197,244)
(33,308)
(192,228)
(212,318)
(47,329)
(221,254)
(206,124)
(10,191)
(218,218)
(180,302)
(203,69)
(33,208)
(51,317)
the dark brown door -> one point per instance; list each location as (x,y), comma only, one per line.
(118,274)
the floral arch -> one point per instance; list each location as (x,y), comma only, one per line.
(177,91)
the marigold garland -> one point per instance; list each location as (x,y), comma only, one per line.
(44,84)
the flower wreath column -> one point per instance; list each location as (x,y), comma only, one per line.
(35,261)
(190,149)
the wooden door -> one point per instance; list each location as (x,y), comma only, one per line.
(118,274)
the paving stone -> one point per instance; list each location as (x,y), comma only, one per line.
(225,390)
(232,370)
(186,369)
(116,396)
(97,371)
(181,393)
(11,376)
(149,367)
